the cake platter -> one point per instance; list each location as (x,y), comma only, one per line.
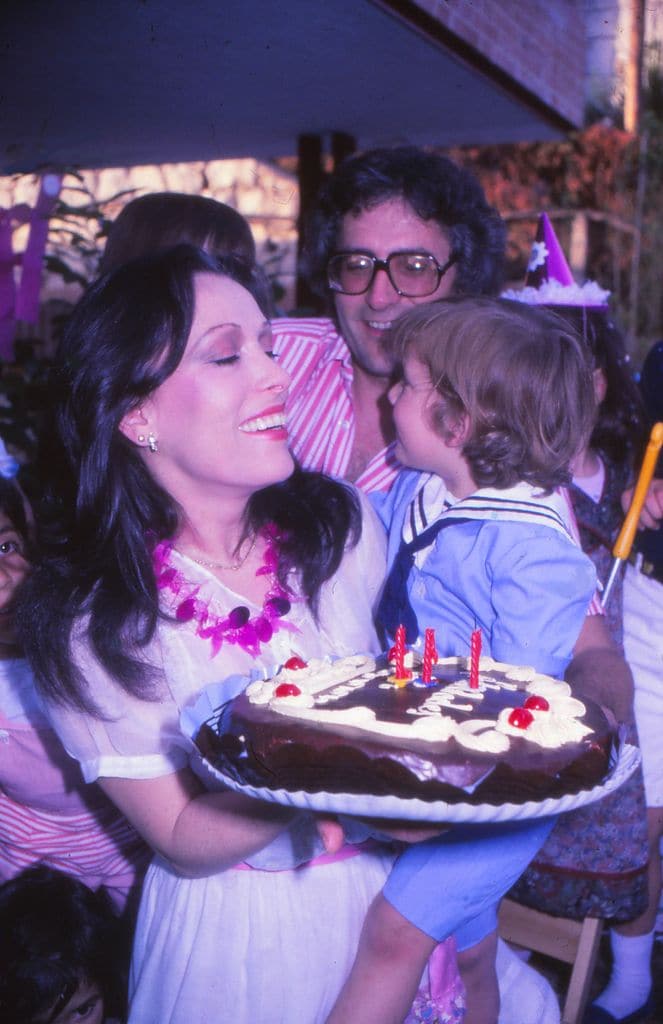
(626,759)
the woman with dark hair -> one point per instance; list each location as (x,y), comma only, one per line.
(180,549)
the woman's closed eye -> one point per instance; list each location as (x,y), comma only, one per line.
(226,360)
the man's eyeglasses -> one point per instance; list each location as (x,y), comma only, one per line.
(412,274)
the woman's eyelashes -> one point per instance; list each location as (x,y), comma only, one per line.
(226,360)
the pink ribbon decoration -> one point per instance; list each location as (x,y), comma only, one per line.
(8,220)
(27,301)
(24,304)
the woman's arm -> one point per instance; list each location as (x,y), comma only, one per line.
(599,670)
(198,832)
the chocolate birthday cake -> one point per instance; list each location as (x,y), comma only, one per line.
(349,727)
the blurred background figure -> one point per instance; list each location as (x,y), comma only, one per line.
(63,953)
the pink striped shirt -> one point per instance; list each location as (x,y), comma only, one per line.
(320,413)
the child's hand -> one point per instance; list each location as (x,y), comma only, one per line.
(652,510)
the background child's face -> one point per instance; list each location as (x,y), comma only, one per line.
(13,570)
(86,1006)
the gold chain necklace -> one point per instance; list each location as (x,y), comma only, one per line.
(219,565)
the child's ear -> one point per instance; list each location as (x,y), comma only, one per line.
(458,430)
(135,425)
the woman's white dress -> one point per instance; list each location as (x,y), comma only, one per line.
(268,945)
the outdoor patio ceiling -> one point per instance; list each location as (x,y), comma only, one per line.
(89,83)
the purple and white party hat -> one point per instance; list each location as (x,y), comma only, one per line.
(549,280)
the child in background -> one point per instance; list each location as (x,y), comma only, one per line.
(47,813)
(594,863)
(629,994)
(495,401)
(63,952)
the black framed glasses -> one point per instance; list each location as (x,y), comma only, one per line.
(412,274)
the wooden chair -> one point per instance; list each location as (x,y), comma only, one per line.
(572,942)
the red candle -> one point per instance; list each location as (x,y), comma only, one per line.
(399,652)
(430,656)
(475,654)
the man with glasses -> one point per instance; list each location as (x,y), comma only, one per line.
(392,228)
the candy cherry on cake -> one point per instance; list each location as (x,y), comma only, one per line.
(295,662)
(520,718)
(287,690)
(536,703)
(291,689)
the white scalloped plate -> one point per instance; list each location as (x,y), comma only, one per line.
(398,808)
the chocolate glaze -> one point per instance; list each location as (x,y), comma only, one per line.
(262,748)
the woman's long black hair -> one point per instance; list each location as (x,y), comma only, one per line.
(102,509)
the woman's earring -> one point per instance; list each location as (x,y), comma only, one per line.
(152,442)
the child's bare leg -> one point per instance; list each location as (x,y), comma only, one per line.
(479,975)
(387,969)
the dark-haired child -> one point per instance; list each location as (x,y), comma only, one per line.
(47,813)
(63,952)
(495,401)
(594,863)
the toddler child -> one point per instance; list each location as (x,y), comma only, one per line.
(495,401)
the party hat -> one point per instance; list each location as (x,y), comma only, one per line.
(549,280)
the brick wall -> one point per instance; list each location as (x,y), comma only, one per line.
(538,43)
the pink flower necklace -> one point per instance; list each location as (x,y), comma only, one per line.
(237,627)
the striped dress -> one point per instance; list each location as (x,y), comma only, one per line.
(48,814)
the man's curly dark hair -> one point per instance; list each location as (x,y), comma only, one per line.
(435,188)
